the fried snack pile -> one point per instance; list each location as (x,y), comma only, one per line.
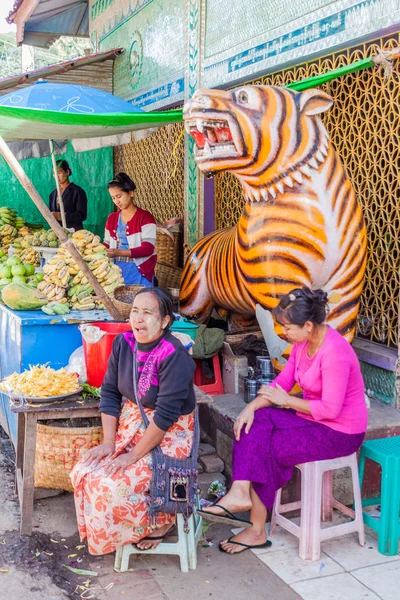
(40,381)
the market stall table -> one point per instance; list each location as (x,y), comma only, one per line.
(27,418)
(31,338)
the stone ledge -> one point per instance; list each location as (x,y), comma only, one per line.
(375,354)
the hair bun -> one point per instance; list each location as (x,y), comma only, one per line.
(320,296)
(123,181)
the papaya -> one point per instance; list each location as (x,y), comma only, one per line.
(20,296)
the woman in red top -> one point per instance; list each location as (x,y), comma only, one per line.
(130,234)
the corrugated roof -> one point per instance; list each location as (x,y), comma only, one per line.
(42,22)
(95,70)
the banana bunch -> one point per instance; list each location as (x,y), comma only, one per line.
(23,249)
(55,308)
(8,230)
(24,231)
(27,255)
(79,291)
(53,291)
(86,303)
(19,222)
(8,233)
(99,304)
(56,272)
(7,216)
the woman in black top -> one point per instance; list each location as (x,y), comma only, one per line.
(112,481)
(73,196)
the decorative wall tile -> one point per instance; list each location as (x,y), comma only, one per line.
(290,34)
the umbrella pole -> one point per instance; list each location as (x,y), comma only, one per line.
(58,230)
(59,194)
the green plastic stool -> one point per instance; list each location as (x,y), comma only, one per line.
(385,452)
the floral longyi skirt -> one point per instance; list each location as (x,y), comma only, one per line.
(113,511)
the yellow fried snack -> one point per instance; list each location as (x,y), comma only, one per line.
(40,381)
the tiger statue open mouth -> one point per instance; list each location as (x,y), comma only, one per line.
(301,224)
(213,139)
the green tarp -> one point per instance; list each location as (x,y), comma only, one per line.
(91,170)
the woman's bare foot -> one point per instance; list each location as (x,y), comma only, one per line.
(251,537)
(148,543)
(236,500)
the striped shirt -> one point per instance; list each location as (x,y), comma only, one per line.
(141,236)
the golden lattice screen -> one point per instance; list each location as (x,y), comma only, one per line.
(155,163)
(364,126)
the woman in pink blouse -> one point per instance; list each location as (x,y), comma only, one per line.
(329,421)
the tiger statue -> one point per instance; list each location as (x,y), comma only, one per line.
(301,224)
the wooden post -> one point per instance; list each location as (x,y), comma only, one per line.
(59,194)
(58,230)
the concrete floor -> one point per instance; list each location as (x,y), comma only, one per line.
(154,577)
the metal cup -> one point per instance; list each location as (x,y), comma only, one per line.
(250,389)
(264,366)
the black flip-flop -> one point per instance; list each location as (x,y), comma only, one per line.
(151,538)
(229,518)
(266,544)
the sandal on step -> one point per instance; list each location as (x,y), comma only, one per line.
(266,544)
(228,518)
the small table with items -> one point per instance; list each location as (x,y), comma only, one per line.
(27,418)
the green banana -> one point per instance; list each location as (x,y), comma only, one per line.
(48,310)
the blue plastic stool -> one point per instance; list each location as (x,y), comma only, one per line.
(185,547)
(385,452)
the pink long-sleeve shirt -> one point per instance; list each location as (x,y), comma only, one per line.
(333,384)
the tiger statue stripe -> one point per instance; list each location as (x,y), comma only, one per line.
(301,224)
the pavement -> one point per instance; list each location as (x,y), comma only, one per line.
(35,568)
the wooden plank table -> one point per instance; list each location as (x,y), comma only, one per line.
(27,418)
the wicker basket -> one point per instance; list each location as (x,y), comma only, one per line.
(167,249)
(123,298)
(168,276)
(58,449)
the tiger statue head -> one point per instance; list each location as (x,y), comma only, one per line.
(249,132)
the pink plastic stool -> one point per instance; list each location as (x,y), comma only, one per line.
(316,504)
(209,387)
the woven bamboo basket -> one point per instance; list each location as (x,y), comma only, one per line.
(168,276)
(167,249)
(58,449)
(123,298)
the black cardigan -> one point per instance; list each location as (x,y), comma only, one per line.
(171,392)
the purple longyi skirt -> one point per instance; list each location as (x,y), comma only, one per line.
(277,441)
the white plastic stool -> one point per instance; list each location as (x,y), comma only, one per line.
(316,504)
(185,547)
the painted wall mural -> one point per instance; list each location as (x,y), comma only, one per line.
(150,73)
(301,224)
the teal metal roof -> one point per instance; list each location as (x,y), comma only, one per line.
(41,22)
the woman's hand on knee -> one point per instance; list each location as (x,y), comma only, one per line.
(246,419)
(121,463)
(94,455)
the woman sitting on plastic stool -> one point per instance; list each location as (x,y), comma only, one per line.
(112,480)
(328,422)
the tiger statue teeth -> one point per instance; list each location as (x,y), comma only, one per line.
(301,224)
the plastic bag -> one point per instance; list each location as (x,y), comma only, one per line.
(91,334)
(76,364)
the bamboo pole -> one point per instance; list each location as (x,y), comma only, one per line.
(58,188)
(58,230)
